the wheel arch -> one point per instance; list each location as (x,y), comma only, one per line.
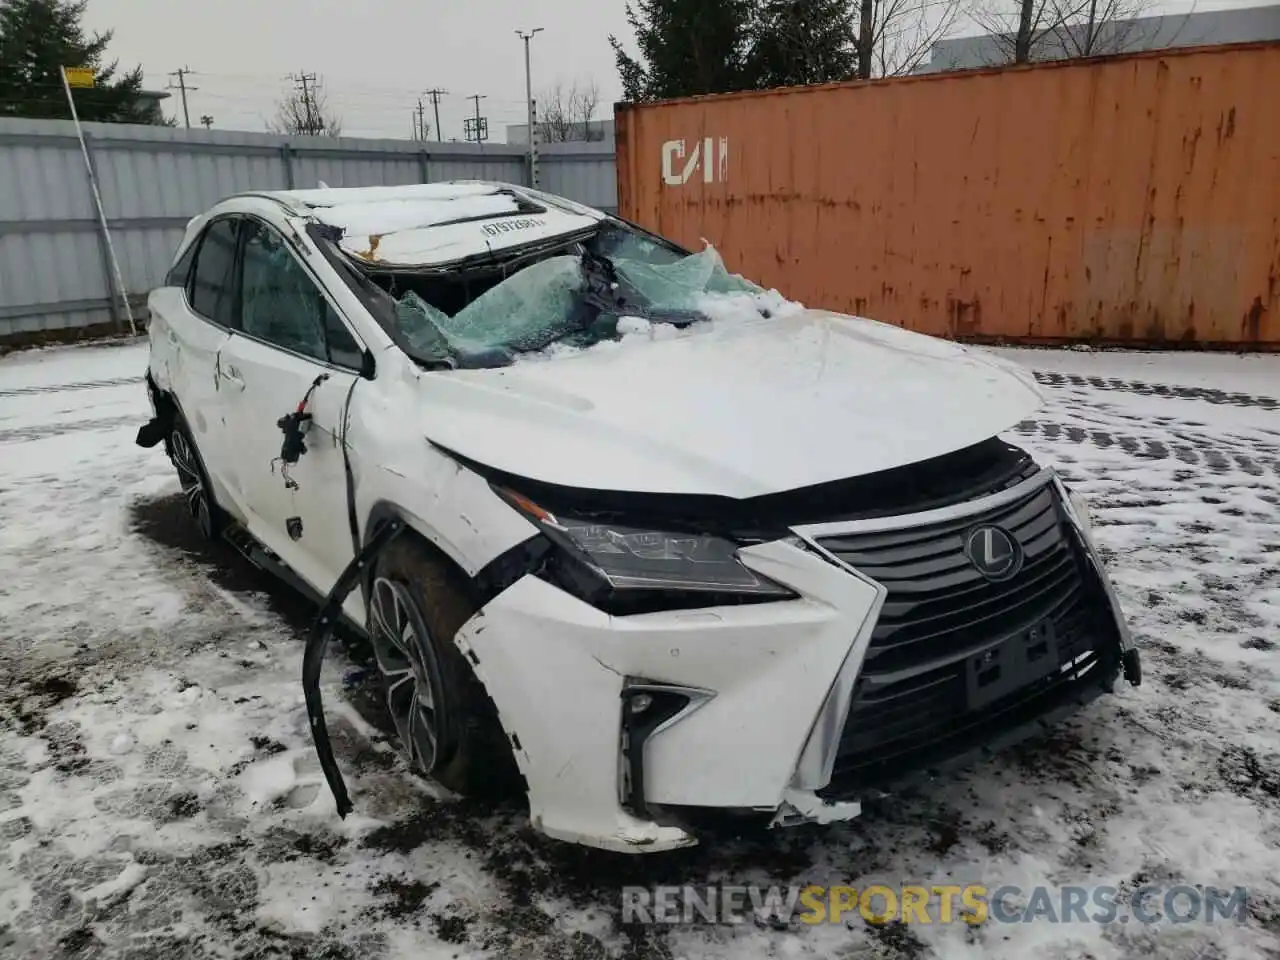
(165,405)
(494,577)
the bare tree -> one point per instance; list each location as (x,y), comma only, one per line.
(554,123)
(306,114)
(1090,28)
(583,102)
(1017,29)
(568,114)
(896,36)
(1021,31)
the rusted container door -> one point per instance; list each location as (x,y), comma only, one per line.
(1132,200)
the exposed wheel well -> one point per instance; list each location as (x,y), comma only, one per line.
(382,512)
(486,584)
(166,405)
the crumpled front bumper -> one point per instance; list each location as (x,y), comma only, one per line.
(754,698)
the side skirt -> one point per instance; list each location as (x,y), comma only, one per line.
(266,560)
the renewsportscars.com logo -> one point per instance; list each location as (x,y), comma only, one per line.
(973,904)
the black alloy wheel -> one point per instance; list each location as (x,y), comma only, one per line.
(411,676)
(195,486)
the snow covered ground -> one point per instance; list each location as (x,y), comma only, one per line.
(159,796)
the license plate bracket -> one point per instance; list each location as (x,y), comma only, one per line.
(1012,664)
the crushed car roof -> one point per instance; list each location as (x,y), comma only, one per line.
(433,224)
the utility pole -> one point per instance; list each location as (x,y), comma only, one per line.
(528,92)
(534,140)
(181,74)
(306,83)
(482,134)
(435,96)
(419,131)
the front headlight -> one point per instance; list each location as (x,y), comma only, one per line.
(626,569)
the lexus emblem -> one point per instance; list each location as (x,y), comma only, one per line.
(993,552)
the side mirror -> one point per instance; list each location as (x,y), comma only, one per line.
(368,368)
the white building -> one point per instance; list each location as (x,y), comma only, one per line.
(1240,25)
(601,132)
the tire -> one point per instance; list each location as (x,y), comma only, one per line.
(196,491)
(416,607)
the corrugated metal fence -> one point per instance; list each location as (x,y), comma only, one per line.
(54,273)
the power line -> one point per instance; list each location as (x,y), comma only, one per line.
(331,79)
(181,74)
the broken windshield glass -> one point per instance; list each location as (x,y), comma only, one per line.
(475,316)
(526,311)
(681,285)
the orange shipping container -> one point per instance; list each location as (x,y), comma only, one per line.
(1129,199)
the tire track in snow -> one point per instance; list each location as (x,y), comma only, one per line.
(1193,452)
(62,387)
(1221,397)
(42,431)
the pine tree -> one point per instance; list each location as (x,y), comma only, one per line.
(798,42)
(37,38)
(687,47)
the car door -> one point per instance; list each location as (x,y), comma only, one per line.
(191,320)
(291,350)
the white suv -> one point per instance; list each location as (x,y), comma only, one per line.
(624,531)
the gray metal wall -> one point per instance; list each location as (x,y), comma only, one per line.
(54,273)
(585,172)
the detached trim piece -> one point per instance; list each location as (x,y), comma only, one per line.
(317,644)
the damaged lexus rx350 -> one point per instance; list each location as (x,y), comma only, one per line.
(624,531)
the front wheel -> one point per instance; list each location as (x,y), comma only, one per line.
(447,724)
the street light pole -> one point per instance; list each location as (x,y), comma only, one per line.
(528,89)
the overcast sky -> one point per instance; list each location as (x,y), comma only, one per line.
(376,57)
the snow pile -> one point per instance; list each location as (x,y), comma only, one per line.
(736,307)
(718,308)
(362,220)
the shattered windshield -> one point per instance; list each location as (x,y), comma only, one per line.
(524,312)
(665,280)
(584,292)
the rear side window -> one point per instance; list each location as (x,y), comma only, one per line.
(211,291)
(181,271)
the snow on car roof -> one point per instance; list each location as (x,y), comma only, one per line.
(428,224)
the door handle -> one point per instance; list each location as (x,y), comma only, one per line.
(231,375)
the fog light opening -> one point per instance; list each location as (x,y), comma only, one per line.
(646,707)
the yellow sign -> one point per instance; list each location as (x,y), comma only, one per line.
(79,76)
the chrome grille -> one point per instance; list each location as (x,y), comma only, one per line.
(911,703)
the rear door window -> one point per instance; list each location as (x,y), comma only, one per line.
(211,290)
(180,273)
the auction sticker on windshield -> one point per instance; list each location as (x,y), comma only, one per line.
(510,226)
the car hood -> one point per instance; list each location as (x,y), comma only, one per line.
(739,409)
